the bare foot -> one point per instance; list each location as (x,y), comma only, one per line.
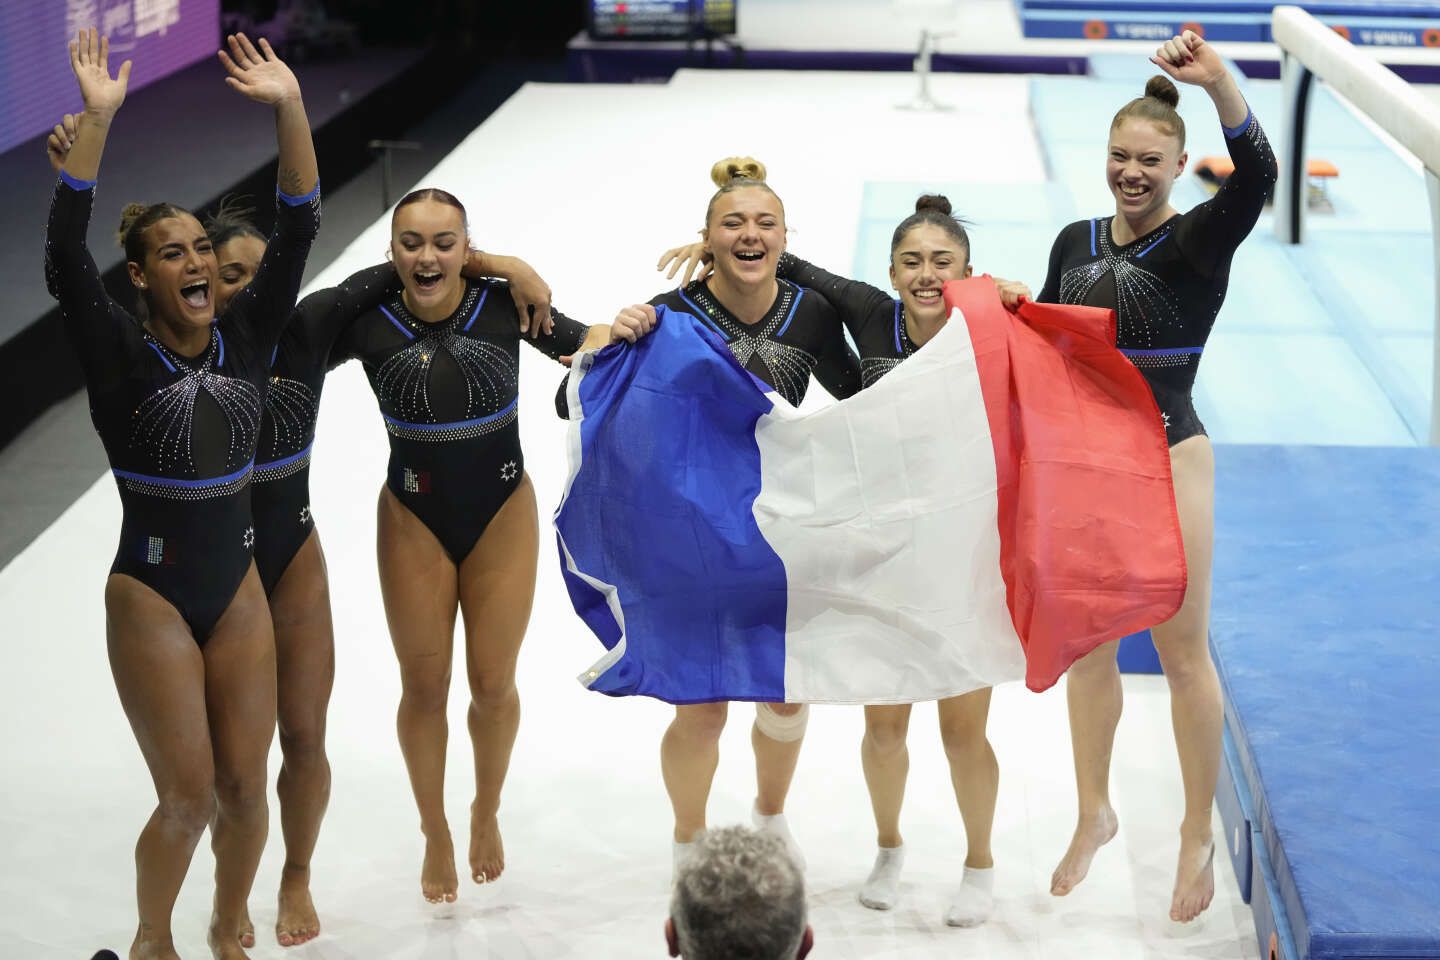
(225,945)
(247,930)
(1091,833)
(161,948)
(1194,879)
(297,921)
(438,881)
(487,852)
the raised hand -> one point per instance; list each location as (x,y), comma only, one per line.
(691,261)
(90,62)
(1189,59)
(61,139)
(258,74)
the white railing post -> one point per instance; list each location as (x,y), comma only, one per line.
(1432,185)
(1310,49)
(1290,199)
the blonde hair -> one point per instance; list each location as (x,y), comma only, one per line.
(735,173)
(1157,106)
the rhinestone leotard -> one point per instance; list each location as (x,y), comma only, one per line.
(799,335)
(280,496)
(448,392)
(179,432)
(875,319)
(1167,286)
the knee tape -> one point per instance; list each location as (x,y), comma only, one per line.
(782,728)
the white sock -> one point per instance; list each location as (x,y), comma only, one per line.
(776,826)
(882,889)
(679,853)
(974,901)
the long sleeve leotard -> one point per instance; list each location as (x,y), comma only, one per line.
(179,432)
(875,319)
(449,394)
(798,336)
(1167,286)
(280,496)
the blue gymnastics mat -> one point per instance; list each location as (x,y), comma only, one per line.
(1391,23)
(1326,632)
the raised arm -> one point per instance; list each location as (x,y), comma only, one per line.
(103,95)
(260,75)
(263,77)
(94,324)
(530,293)
(1213,230)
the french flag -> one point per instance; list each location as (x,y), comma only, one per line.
(994,508)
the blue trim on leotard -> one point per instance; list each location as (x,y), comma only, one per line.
(483,294)
(701,315)
(184,484)
(285,461)
(1155,243)
(1232,132)
(799,295)
(456,425)
(1171,352)
(398,325)
(297,201)
(75,183)
(161,353)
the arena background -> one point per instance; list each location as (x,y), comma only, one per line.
(1316,387)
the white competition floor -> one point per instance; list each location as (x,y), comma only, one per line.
(589,184)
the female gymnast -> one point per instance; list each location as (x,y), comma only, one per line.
(782,334)
(457,528)
(176,401)
(927,249)
(1165,275)
(288,553)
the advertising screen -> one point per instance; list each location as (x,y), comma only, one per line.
(36,85)
(660,19)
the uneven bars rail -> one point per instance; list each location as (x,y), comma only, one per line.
(1310,49)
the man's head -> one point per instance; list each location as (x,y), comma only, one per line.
(739,896)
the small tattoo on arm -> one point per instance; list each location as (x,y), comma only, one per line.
(290,182)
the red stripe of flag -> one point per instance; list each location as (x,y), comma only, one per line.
(1090,546)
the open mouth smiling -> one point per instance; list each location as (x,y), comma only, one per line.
(196,294)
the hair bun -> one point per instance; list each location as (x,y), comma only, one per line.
(128,215)
(934,201)
(1160,87)
(737,168)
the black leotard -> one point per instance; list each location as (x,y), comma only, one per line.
(280,497)
(179,431)
(448,392)
(1167,286)
(875,319)
(799,335)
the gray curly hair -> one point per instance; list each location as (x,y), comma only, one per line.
(739,897)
